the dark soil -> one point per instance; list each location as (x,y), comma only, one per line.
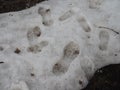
(17,51)
(16,5)
(106,78)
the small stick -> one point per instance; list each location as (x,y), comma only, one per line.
(109,29)
(1,62)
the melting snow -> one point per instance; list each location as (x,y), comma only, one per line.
(58,44)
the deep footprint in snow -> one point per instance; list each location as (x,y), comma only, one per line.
(33,34)
(45,12)
(104,39)
(38,47)
(71,51)
(84,23)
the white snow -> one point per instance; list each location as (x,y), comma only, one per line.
(76,39)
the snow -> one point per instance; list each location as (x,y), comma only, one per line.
(61,44)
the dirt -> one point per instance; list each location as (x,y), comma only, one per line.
(106,78)
(17,51)
(16,5)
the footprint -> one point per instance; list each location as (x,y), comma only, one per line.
(32,35)
(71,51)
(45,12)
(104,39)
(68,14)
(38,47)
(21,85)
(87,66)
(84,23)
(94,4)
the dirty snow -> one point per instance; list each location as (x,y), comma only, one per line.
(58,44)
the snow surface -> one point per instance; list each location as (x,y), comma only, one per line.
(61,43)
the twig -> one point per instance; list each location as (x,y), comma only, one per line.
(1,62)
(109,29)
